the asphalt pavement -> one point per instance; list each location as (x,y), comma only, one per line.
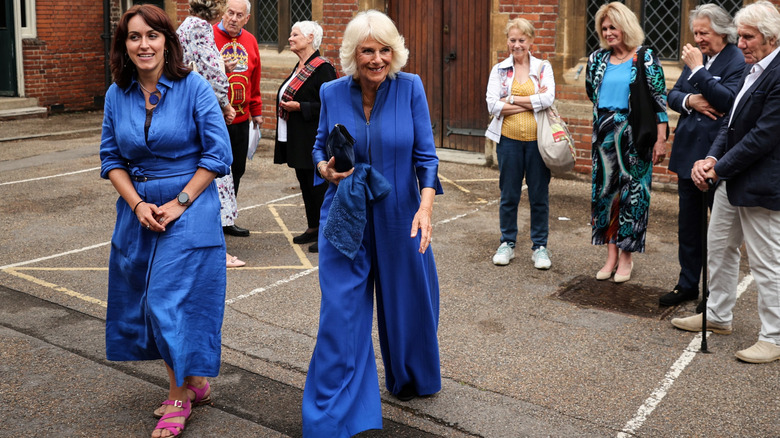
(524,352)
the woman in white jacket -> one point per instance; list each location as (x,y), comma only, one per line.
(519,87)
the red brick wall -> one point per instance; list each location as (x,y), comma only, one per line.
(335,17)
(543,15)
(64,64)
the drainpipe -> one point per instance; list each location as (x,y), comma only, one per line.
(107,39)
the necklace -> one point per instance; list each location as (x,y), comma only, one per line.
(154,99)
(623,58)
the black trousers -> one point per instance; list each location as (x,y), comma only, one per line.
(689,231)
(239,143)
(312,195)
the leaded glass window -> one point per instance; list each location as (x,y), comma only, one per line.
(661,23)
(269,16)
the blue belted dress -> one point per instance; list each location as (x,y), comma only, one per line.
(166,291)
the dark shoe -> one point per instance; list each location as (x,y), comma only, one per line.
(406,394)
(236,231)
(314,248)
(305,238)
(678,295)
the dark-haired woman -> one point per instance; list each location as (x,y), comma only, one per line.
(164,140)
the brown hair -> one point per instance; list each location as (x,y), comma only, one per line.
(123,69)
(207,9)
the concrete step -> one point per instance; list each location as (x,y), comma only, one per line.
(20,108)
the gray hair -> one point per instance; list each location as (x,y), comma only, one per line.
(310,28)
(763,16)
(720,20)
(376,25)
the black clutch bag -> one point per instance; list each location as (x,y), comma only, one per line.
(341,144)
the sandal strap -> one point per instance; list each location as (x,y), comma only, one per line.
(174,428)
(185,412)
(200,393)
(176,403)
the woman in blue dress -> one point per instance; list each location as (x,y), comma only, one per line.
(387,113)
(164,140)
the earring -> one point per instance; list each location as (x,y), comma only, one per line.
(165,55)
(127,58)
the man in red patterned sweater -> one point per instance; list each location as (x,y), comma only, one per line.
(242,60)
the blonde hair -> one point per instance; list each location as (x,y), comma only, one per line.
(524,26)
(624,20)
(376,25)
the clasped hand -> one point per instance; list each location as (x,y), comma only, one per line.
(704,170)
(155,218)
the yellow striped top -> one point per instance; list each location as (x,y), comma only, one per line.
(520,126)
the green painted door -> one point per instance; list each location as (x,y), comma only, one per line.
(7,50)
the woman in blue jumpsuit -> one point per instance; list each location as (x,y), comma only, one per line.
(387,113)
(163,142)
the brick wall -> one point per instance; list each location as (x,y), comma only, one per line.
(543,15)
(64,65)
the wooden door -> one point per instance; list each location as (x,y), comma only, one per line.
(7,49)
(448,43)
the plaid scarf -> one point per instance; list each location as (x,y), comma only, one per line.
(297,81)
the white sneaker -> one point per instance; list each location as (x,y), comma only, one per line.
(541,258)
(503,255)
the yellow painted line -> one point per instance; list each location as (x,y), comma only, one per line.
(271,232)
(459,187)
(477,180)
(267,268)
(56,288)
(60,269)
(297,248)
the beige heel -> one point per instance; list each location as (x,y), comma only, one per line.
(604,275)
(623,278)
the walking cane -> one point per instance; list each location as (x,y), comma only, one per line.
(705,206)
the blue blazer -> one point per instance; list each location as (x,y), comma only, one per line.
(747,151)
(695,132)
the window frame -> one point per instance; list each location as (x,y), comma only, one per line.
(30,30)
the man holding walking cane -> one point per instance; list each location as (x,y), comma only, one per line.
(703,94)
(745,158)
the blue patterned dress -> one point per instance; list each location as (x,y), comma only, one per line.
(620,197)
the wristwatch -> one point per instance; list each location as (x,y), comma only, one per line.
(184,199)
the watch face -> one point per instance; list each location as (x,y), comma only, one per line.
(183,198)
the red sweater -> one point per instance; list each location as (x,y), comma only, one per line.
(244,81)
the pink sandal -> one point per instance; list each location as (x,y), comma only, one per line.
(233,262)
(176,429)
(202,397)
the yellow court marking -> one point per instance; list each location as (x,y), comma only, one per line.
(60,269)
(478,180)
(449,181)
(297,248)
(66,291)
(268,268)
(461,188)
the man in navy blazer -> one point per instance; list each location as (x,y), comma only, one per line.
(702,95)
(746,158)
